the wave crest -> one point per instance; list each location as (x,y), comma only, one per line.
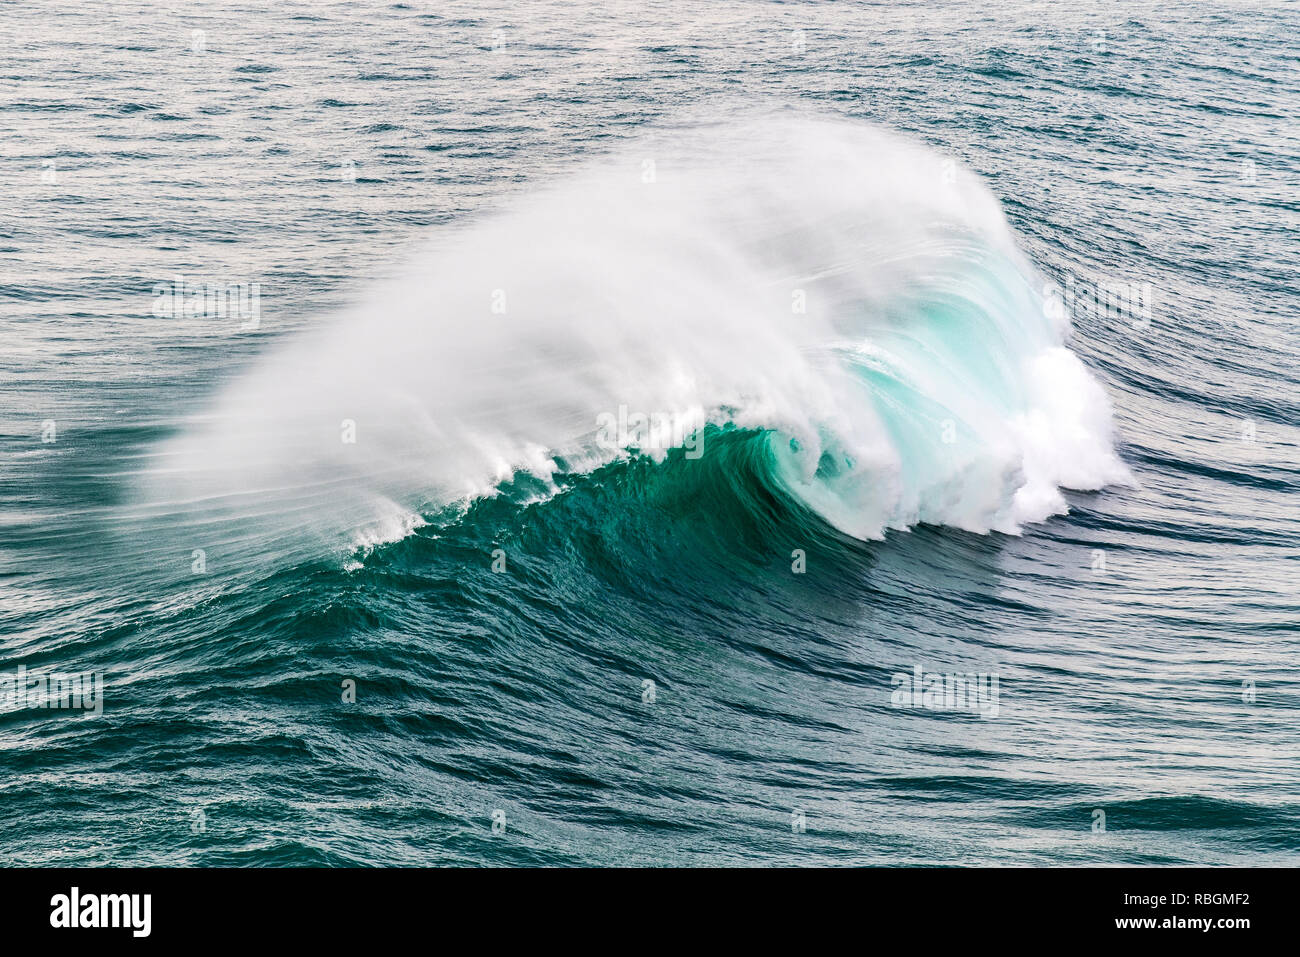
(858,296)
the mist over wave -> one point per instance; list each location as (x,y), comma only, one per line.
(855,297)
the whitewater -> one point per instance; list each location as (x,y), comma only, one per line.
(854,295)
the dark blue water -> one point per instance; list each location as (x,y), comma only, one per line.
(323,652)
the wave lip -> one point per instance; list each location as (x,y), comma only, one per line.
(856,295)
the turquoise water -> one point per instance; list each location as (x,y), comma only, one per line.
(909,472)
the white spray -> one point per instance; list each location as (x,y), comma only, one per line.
(854,292)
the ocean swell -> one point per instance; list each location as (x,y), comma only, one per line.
(855,296)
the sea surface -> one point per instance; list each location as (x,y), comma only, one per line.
(592,419)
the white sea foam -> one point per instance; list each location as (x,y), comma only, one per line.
(852,291)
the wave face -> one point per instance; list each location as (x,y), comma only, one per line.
(856,298)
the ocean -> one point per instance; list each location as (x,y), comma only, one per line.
(687,433)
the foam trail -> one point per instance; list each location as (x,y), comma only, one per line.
(824,279)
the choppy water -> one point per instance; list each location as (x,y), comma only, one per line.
(835,244)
